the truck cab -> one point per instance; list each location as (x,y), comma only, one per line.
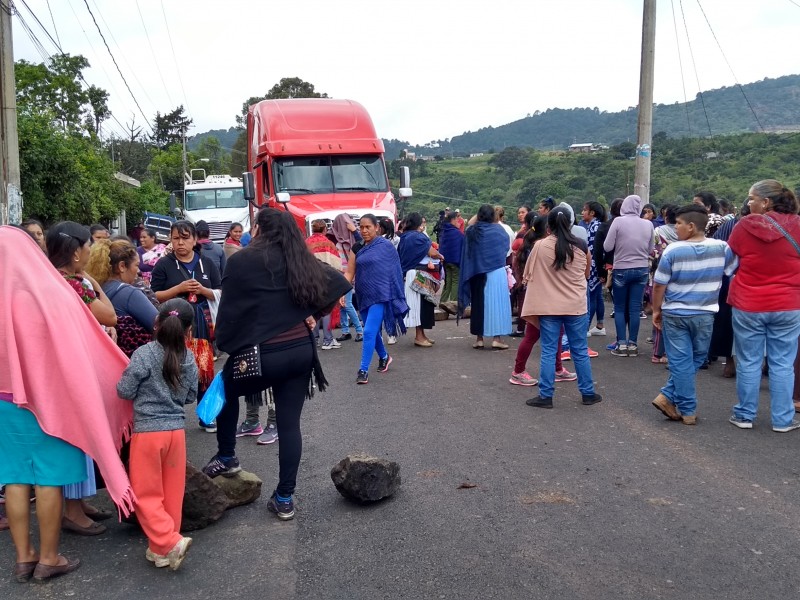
(216,199)
(318,157)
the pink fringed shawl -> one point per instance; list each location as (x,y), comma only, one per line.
(57,361)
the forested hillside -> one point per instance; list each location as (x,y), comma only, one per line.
(725,165)
(775,102)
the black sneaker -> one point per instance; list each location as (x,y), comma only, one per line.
(343,337)
(383,364)
(593,399)
(284,510)
(540,402)
(227,467)
(359,337)
(362,377)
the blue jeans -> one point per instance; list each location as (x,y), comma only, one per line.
(753,333)
(595,304)
(373,340)
(686,339)
(575,328)
(327,333)
(628,287)
(349,316)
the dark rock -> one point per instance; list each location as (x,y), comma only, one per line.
(363,478)
(203,502)
(242,488)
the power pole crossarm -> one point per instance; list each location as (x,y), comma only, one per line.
(644,136)
(10,191)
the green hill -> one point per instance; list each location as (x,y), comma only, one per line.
(776,103)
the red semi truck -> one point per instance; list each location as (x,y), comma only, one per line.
(317,157)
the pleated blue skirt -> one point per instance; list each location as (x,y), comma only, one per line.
(496,304)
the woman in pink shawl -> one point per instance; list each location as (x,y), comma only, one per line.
(58,374)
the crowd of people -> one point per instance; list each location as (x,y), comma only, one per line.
(145,322)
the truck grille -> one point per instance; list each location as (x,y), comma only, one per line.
(219,230)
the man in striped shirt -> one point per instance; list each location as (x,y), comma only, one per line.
(685,298)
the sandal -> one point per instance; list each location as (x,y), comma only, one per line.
(499,346)
(659,360)
(478,345)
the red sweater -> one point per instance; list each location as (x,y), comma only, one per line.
(768,279)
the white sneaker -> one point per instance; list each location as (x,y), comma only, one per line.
(795,424)
(333,344)
(392,339)
(178,553)
(596,331)
(157,559)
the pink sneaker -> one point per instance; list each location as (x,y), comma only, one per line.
(523,379)
(564,375)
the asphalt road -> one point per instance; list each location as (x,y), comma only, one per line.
(601,502)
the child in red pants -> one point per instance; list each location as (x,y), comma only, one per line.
(160,379)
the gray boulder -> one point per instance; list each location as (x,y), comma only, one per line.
(203,501)
(362,478)
(243,488)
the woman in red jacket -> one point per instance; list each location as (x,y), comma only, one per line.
(765,296)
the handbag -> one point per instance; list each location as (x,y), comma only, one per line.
(427,286)
(246,364)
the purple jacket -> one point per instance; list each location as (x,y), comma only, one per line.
(630,237)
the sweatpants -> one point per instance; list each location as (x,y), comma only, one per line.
(158,477)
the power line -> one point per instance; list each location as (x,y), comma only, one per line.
(175,60)
(680,65)
(142,88)
(55,29)
(739,85)
(43,51)
(694,66)
(155,60)
(795,3)
(114,60)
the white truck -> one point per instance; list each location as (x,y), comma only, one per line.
(216,199)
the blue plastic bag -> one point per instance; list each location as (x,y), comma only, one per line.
(213,400)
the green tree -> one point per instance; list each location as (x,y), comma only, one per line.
(169,128)
(288,87)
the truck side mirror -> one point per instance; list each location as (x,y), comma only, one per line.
(404,192)
(405,177)
(283,197)
(249,186)
(173,205)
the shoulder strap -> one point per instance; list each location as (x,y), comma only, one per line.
(785,233)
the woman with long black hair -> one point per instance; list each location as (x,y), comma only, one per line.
(557,269)
(272,292)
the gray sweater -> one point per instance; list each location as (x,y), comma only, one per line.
(156,406)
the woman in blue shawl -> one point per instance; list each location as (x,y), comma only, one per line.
(483,280)
(417,254)
(374,268)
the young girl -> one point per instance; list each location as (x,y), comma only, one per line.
(160,379)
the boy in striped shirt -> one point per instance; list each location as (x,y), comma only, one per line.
(685,299)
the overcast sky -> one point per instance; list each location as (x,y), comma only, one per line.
(425,70)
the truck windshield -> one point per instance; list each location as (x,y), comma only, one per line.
(326,174)
(214,198)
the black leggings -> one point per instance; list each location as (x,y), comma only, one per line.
(286,368)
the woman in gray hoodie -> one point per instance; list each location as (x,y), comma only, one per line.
(631,239)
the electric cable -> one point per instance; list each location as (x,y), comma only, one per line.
(155,60)
(175,60)
(55,29)
(694,66)
(114,60)
(680,66)
(739,85)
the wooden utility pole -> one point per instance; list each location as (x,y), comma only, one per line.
(644,130)
(10,192)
